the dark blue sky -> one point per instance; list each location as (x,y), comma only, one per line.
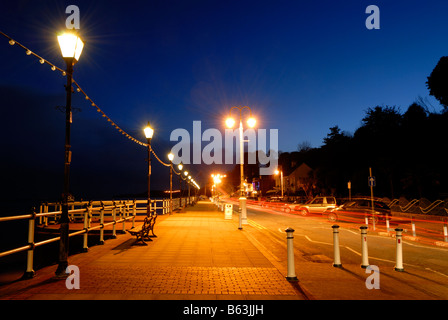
(302,67)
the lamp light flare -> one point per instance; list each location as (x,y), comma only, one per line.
(251,122)
(71,45)
(230,122)
(149,132)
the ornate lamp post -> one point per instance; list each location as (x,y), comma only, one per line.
(149,132)
(281,179)
(230,122)
(180,166)
(71,47)
(171,157)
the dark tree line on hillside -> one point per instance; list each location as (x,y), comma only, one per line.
(408,152)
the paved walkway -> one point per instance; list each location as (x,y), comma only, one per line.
(198,255)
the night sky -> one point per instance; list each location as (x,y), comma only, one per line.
(302,66)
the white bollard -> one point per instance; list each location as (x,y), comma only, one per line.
(364,251)
(337,256)
(445,231)
(387,224)
(240,227)
(413,227)
(399,253)
(291,276)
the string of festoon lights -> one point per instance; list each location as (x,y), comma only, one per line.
(53,67)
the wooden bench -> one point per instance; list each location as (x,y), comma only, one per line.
(142,231)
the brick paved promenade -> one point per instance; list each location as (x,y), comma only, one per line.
(198,255)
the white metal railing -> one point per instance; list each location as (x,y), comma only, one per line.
(114,211)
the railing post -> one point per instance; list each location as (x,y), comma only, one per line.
(337,256)
(85,247)
(46,217)
(291,276)
(102,223)
(399,252)
(72,207)
(123,217)
(134,213)
(29,273)
(41,211)
(114,213)
(364,252)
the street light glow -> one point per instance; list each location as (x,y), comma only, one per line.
(71,45)
(230,122)
(251,122)
(148,131)
(170,156)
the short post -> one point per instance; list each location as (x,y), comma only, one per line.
(337,256)
(240,226)
(364,253)
(291,276)
(399,252)
(413,226)
(85,248)
(387,224)
(445,231)
(29,273)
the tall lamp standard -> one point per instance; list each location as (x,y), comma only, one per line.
(230,122)
(180,166)
(186,183)
(281,179)
(171,158)
(189,183)
(71,47)
(149,132)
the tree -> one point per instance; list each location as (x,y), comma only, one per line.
(438,82)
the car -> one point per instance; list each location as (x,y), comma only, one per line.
(316,205)
(360,208)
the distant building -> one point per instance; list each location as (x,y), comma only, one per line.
(297,180)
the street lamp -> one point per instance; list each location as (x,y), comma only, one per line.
(71,47)
(281,179)
(180,166)
(230,122)
(171,157)
(149,132)
(186,184)
(189,183)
